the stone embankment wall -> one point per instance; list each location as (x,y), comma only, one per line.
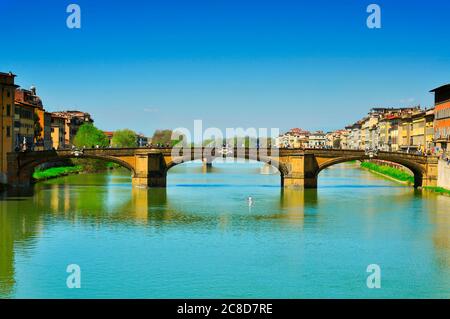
(443,174)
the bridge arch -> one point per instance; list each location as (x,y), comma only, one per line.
(26,169)
(417,169)
(281,167)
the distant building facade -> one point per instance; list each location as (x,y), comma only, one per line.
(294,138)
(141,140)
(317,139)
(354,136)
(407,129)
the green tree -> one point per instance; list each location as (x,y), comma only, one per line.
(124,138)
(90,136)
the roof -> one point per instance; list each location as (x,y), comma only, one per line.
(108,133)
(54,115)
(298,130)
(392,116)
(440,88)
(7,74)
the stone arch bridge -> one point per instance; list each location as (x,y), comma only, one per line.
(149,166)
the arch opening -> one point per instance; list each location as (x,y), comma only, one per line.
(196,173)
(415,169)
(280,167)
(26,170)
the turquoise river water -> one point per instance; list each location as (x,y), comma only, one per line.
(200,238)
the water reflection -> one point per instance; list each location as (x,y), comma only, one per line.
(440,218)
(20,224)
(294,206)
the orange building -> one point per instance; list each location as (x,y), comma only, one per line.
(442,117)
(7,93)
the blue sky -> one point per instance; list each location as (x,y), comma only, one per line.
(232,63)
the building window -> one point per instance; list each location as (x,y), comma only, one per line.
(8,131)
(8,110)
(8,94)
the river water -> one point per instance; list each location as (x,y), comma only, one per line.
(200,238)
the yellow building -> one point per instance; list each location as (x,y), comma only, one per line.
(384,130)
(418,131)
(393,138)
(7,93)
(58,132)
(429,130)
(422,133)
(363,133)
(369,133)
(404,132)
(295,138)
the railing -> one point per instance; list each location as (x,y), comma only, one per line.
(225,150)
